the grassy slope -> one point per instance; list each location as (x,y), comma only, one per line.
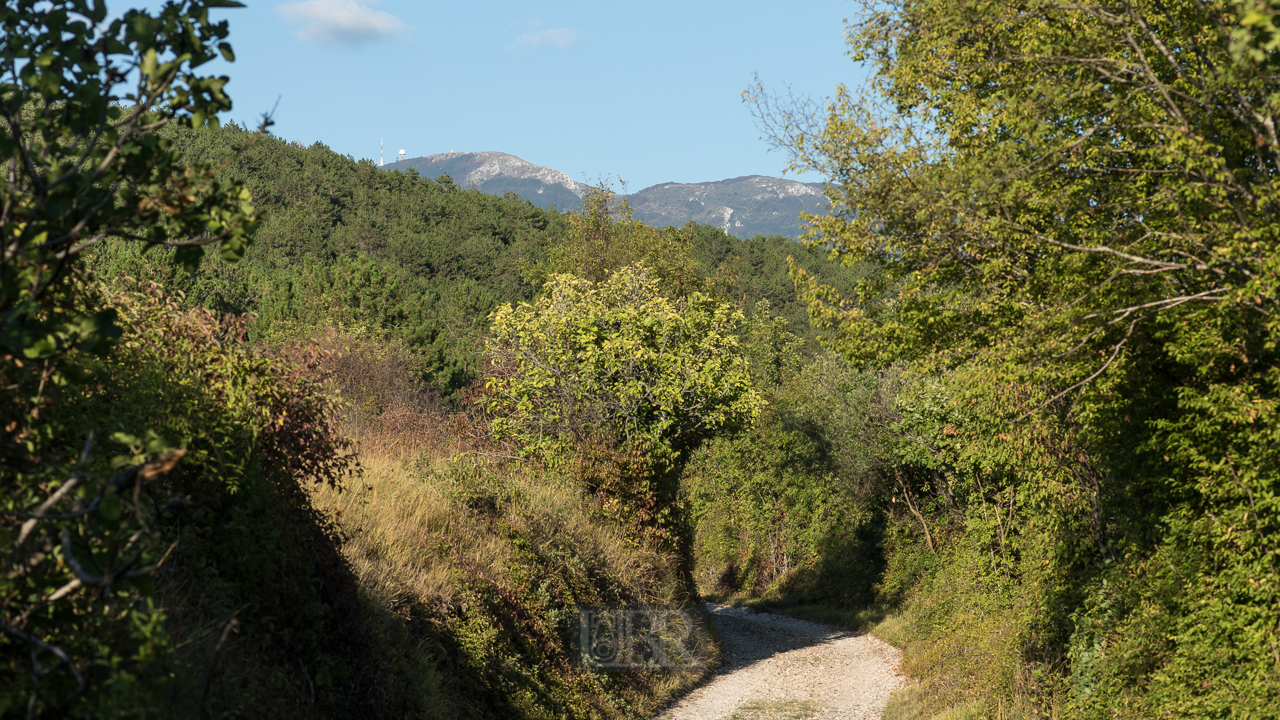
(473,565)
(429,582)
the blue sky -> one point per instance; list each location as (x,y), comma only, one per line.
(645,91)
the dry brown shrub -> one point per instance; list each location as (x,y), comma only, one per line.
(385,403)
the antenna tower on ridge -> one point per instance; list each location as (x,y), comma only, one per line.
(379,152)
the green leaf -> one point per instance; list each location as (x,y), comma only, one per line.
(111,508)
(145,583)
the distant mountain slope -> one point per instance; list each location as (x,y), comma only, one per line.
(499,173)
(744,207)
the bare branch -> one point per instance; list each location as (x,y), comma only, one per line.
(54,597)
(63,657)
(74,564)
(1206,296)
(906,494)
(30,524)
(1114,354)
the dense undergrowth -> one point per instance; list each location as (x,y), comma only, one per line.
(236,544)
(793,504)
(419,577)
(1020,575)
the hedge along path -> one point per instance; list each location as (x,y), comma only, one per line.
(778,667)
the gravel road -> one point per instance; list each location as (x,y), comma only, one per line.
(781,668)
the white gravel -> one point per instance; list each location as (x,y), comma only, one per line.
(777,667)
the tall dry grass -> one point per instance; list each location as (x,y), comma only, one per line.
(405,500)
(433,512)
(400,515)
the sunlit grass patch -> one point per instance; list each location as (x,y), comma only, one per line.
(472,566)
(776,710)
(920,701)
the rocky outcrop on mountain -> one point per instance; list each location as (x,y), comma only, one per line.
(499,173)
(744,207)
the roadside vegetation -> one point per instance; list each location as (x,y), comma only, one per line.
(1071,209)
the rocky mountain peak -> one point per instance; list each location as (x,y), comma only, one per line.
(743,206)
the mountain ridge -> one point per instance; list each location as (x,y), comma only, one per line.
(743,206)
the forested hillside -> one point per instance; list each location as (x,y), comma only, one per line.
(344,242)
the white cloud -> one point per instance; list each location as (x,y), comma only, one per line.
(560,37)
(340,21)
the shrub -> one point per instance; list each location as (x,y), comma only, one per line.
(791,508)
(221,518)
(621,381)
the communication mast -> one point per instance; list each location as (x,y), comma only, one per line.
(379,152)
(401,156)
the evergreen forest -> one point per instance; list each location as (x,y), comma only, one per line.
(287,435)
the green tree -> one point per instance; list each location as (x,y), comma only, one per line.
(774,351)
(1079,201)
(81,99)
(603,238)
(616,357)
(1050,179)
(617,382)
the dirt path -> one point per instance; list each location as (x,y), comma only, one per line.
(780,668)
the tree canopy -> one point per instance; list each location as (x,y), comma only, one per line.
(1054,180)
(617,358)
(81,99)
(1073,210)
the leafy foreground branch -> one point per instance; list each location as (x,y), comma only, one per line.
(81,99)
(107,589)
